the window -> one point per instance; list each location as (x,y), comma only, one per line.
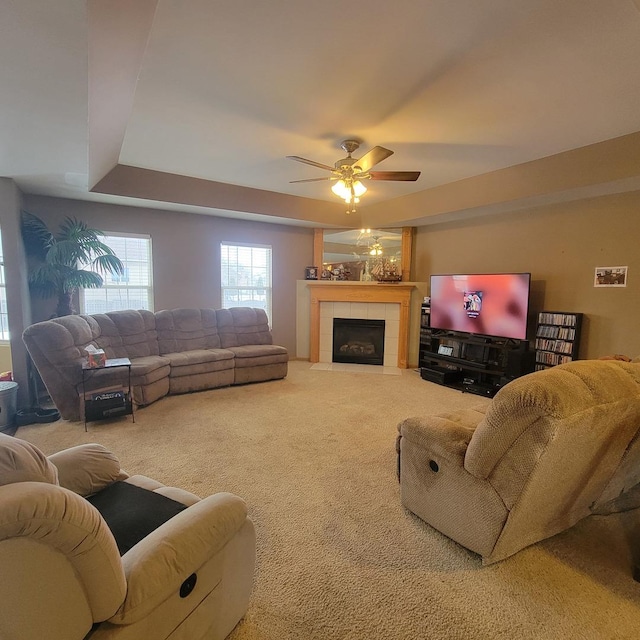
(4,317)
(246,276)
(131,290)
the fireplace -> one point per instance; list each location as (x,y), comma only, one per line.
(393,303)
(358,341)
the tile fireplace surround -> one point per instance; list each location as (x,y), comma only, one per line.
(319,301)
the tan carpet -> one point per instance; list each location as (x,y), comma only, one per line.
(338,556)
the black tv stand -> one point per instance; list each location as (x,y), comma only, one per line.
(470,363)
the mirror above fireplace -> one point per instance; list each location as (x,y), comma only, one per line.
(356,254)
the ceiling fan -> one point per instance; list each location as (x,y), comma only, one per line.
(348,172)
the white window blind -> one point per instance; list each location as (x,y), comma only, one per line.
(246,276)
(131,290)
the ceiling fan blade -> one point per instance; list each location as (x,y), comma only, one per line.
(315,179)
(371,158)
(312,163)
(403,176)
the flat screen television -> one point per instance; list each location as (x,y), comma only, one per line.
(490,304)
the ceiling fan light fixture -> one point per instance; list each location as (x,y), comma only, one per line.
(340,189)
(344,191)
(348,172)
(359,188)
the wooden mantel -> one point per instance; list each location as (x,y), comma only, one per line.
(345,291)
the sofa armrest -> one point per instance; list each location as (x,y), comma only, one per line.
(156,567)
(87,468)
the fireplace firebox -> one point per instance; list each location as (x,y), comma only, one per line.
(358,341)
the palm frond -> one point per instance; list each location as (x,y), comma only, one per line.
(68,252)
(45,280)
(108,263)
(78,231)
(35,234)
(70,229)
(83,279)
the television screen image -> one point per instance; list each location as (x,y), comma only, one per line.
(494,304)
(473,303)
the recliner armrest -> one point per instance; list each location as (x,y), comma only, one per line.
(156,567)
(445,435)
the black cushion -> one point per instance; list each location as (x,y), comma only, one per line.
(132,512)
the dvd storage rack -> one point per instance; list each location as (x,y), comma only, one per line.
(557,338)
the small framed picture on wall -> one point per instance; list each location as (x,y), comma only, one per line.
(311,273)
(610,277)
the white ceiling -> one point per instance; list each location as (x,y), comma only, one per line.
(223,91)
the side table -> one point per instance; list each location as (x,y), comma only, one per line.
(107,403)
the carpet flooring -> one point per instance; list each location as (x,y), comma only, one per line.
(338,556)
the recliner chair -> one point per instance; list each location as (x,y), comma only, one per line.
(62,576)
(551,448)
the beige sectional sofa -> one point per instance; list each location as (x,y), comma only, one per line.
(171,351)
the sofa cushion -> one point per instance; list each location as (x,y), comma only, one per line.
(186,330)
(149,369)
(200,361)
(127,334)
(242,326)
(258,355)
(198,356)
(20,461)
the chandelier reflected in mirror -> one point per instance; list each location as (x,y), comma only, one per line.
(362,254)
(376,247)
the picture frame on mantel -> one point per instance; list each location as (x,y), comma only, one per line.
(311,273)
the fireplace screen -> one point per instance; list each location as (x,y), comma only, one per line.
(358,341)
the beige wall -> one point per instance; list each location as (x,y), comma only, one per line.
(560,245)
(186,253)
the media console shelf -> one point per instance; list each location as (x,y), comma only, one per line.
(470,363)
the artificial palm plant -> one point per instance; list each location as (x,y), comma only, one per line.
(74,258)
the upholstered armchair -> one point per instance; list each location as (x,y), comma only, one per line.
(551,448)
(62,573)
